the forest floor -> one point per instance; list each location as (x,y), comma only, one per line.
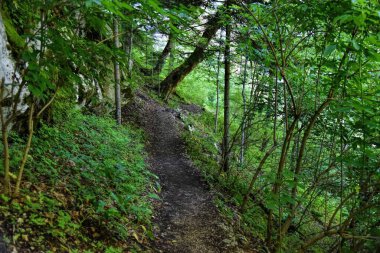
(186,219)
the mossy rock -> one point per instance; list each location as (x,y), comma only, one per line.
(14,38)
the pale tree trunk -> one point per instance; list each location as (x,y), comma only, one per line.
(243,123)
(117,73)
(130,48)
(253,98)
(217,87)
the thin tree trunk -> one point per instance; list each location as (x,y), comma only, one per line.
(42,31)
(165,53)
(128,47)
(217,87)
(297,170)
(310,125)
(4,132)
(256,175)
(117,73)
(253,96)
(275,107)
(31,121)
(227,77)
(277,183)
(171,58)
(26,150)
(243,123)
(4,135)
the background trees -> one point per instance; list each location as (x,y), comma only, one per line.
(300,136)
(308,65)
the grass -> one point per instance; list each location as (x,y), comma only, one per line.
(86,188)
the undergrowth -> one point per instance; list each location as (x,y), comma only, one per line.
(203,146)
(86,189)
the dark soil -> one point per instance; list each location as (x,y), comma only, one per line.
(187,220)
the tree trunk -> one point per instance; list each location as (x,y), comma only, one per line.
(117,73)
(243,123)
(309,127)
(298,168)
(227,76)
(217,87)
(169,84)
(277,183)
(26,150)
(4,135)
(165,53)
(256,175)
(128,47)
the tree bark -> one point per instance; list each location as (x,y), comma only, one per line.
(117,73)
(169,84)
(227,77)
(128,47)
(256,175)
(243,123)
(4,135)
(165,53)
(217,88)
(277,183)
(310,125)
(26,150)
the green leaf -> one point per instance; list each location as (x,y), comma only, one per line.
(90,3)
(4,198)
(355,44)
(343,19)
(329,49)
(153,196)
(359,20)
(101,205)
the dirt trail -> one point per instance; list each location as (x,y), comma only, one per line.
(187,220)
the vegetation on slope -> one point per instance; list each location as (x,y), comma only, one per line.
(204,147)
(86,187)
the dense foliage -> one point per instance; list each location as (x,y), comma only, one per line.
(294,148)
(304,125)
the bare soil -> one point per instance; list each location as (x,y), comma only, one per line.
(186,219)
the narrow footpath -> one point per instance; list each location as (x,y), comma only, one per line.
(186,219)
